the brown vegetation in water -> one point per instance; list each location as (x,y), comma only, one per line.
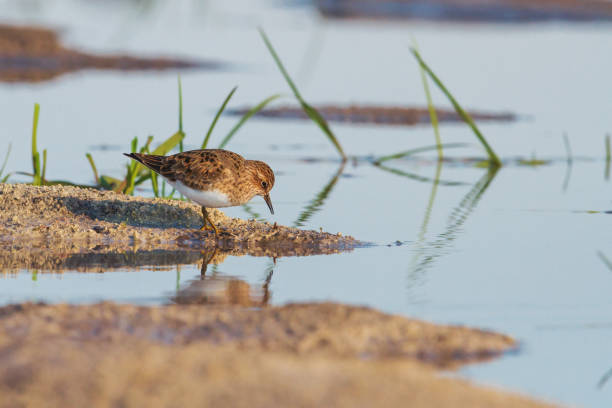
(33,54)
(515,11)
(381,115)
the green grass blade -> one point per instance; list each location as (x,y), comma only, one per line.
(280,65)
(316,117)
(154,184)
(431,108)
(141,179)
(605,260)
(312,113)
(134,144)
(180,111)
(35,154)
(132,170)
(219,112)
(110,183)
(494,159)
(36,180)
(246,117)
(93,167)
(6,178)
(568,149)
(8,153)
(417,150)
(44,167)
(169,144)
(608,154)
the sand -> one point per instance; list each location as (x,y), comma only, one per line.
(308,355)
(58,227)
(217,342)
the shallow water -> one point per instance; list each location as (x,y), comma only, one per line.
(514,251)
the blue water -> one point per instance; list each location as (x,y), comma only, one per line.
(515,252)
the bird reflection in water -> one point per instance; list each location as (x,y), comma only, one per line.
(212,288)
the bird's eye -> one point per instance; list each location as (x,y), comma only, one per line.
(264,184)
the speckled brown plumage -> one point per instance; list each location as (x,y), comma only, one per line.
(214,170)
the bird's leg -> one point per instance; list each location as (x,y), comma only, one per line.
(207,220)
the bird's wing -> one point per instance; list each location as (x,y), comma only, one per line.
(195,168)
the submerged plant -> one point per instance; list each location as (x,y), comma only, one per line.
(310,111)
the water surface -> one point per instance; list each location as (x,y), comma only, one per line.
(514,251)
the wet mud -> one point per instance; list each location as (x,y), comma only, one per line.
(62,227)
(376,114)
(295,355)
(514,11)
(32,54)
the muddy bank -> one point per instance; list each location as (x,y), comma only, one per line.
(58,226)
(514,11)
(295,355)
(31,54)
(380,115)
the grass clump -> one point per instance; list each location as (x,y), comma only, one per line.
(137,174)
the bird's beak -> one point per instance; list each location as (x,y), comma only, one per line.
(269,202)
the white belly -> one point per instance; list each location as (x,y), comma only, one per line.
(211,199)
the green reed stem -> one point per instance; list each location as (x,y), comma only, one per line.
(219,112)
(312,113)
(180,111)
(35,155)
(493,158)
(44,167)
(605,260)
(246,117)
(608,154)
(93,167)
(431,108)
(8,153)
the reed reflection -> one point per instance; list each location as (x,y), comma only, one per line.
(426,252)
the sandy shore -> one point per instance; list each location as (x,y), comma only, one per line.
(58,227)
(307,355)
(213,347)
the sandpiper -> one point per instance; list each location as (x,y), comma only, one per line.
(212,178)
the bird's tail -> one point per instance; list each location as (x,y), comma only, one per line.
(152,161)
